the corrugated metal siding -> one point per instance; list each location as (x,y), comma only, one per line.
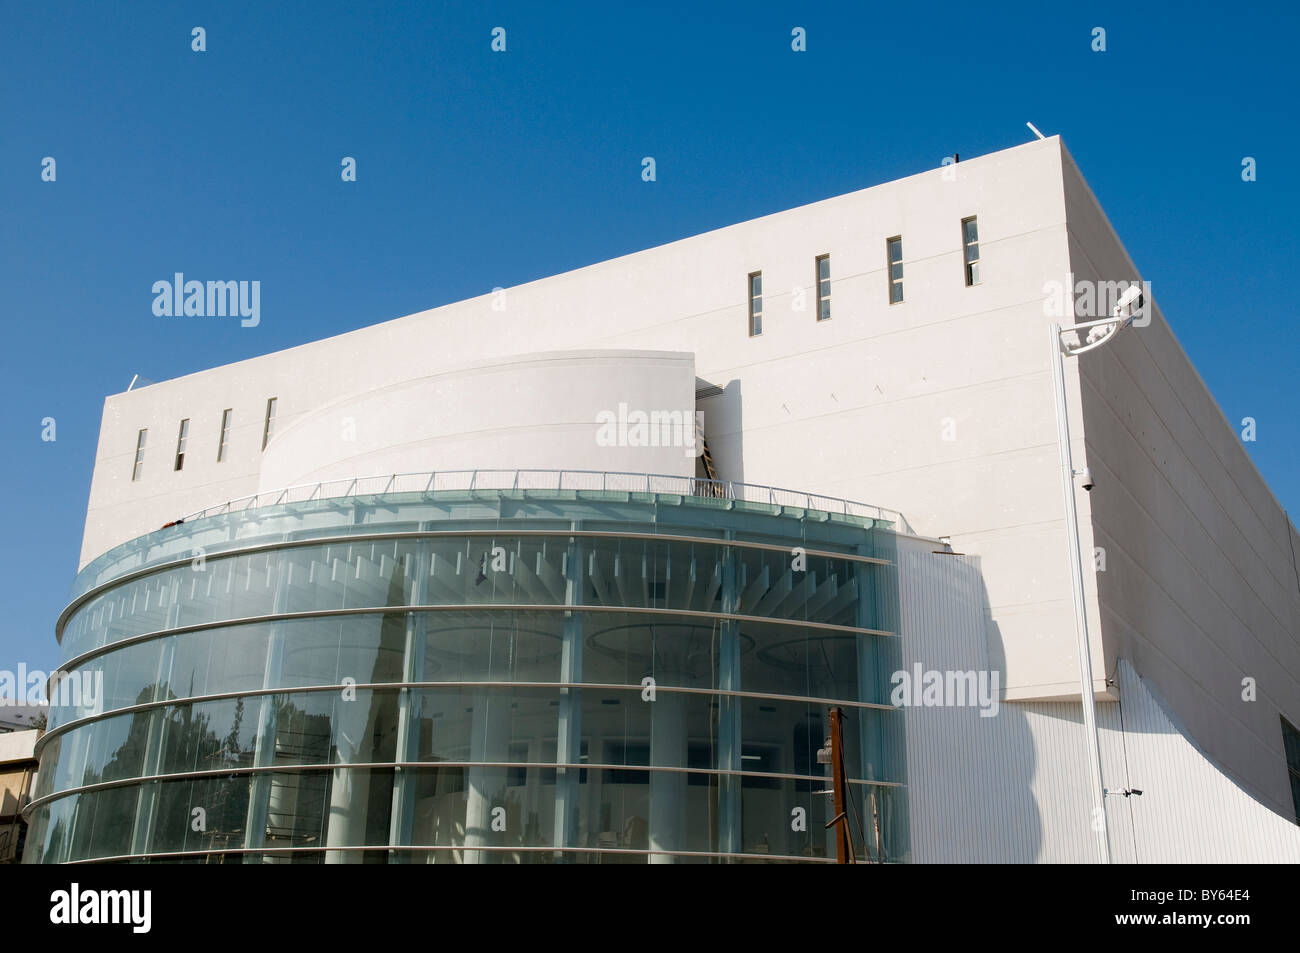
(1189,811)
(1013,787)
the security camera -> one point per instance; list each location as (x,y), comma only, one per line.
(1085,479)
(1129,305)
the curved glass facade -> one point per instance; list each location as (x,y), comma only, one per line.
(490,677)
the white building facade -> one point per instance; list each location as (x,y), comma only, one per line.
(888,346)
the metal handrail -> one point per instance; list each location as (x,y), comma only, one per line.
(482,479)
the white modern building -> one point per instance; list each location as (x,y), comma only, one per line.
(889,346)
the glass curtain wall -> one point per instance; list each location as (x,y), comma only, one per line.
(627,678)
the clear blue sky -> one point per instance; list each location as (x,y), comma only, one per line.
(478,169)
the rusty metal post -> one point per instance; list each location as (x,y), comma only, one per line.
(843,840)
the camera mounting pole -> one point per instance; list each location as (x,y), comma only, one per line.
(1103,332)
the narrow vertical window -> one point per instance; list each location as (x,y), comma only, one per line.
(970,238)
(823,287)
(139,455)
(756,304)
(894,252)
(181,439)
(224,443)
(270,422)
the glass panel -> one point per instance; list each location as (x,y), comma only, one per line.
(115,748)
(782,737)
(896,292)
(765,820)
(50,760)
(209,736)
(366,648)
(37,824)
(820,589)
(64,767)
(488,807)
(296,810)
(895,272)
(625,648)
(439,815)
(970,230)
(224,801)
(118,679)
(895,250)
(783,660)
(489,724)
(91,824)
(49,839)
(823,267)
(347,575)
(488,570)
(513,646)
(879,823)
(326,727)
(360,810)
(210,662)
(630,807)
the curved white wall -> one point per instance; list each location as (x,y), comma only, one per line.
(537,411)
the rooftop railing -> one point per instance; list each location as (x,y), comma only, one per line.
(553,480)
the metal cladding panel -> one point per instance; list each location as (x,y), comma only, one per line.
(1008,783)
(1189,811)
